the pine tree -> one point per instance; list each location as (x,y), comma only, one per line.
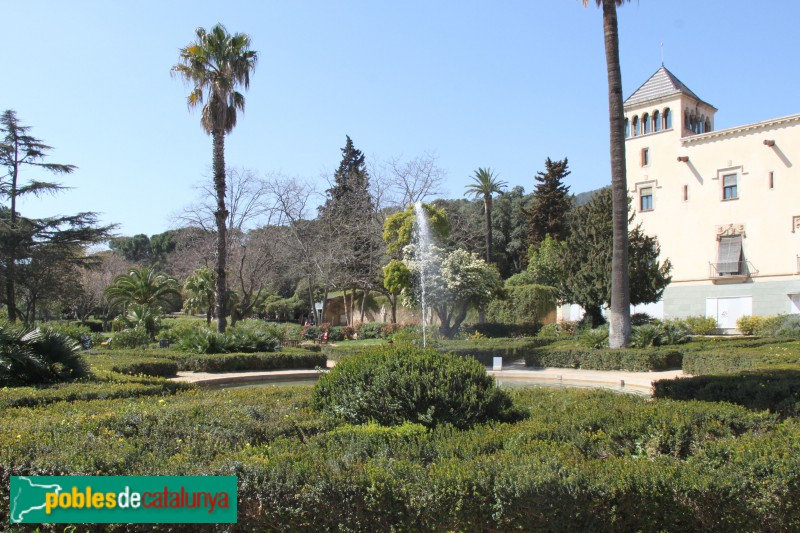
(548,216)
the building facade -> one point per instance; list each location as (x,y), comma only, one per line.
(724,204)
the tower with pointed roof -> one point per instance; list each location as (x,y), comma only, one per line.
(722,203)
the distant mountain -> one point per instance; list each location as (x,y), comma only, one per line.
(583,197)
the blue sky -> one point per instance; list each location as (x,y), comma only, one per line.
(501,84)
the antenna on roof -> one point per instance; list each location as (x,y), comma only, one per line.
(662,53)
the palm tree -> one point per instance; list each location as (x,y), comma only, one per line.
(620,311)
(143,287)
(216,64)
(199,288)
(486,184)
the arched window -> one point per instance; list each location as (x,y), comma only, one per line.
(656,121)
(667,119)
(708,125)
(686,124)
(645,124)
(700,119)
(627,128)
(635,126)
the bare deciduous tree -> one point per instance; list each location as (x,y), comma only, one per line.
(397,183)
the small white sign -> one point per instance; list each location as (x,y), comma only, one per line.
(498,363)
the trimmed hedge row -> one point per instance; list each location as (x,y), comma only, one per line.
(149,367)
(485,350)
(166,363)
(776,390)
(258,361)
(70,392)
(584,460)
(570,355)
(717,358)
(499,329)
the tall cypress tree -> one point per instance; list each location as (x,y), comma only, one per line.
(548,216)
(350,191)
(349,217)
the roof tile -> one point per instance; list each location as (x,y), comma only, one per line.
(662,83)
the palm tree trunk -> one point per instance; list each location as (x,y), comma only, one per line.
(487,210)
(620,311)
(221,216)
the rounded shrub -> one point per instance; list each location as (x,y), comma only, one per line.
(391,385)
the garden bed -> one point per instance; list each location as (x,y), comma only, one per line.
(570,354)
(583,460)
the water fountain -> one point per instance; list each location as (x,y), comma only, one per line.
(423,257)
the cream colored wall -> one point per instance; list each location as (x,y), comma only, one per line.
(687,230)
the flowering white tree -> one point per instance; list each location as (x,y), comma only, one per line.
(455,283)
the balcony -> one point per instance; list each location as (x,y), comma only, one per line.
(735,272)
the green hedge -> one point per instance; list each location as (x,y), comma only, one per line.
(776,390)
(501,329)
(266,361)
(484,350)
(582,461)
(571,355)
(725,356)
(70,392)
(135,362)
(150,367)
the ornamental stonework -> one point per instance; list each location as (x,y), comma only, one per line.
(730,230)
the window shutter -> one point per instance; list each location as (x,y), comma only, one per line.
(730,255)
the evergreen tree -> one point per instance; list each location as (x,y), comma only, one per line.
(23,239)
(350,191)
(510,231)
(548,216)
(586,260)
(351,226)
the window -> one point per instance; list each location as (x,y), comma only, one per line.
(729,187)
(656,121)
(635,126)
(685,193)
(645,157)
(771,180)
(667,119)
(645,124)
(646,198)
(627,128)
(729,260)
(708,126)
